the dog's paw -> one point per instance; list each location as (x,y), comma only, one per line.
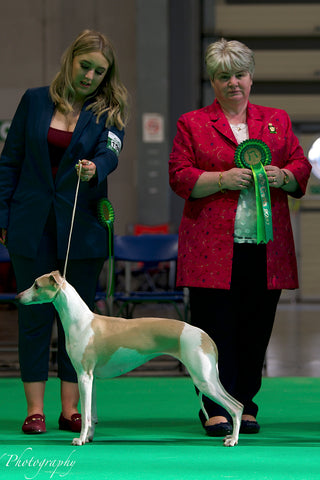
(230,441)
(78,441)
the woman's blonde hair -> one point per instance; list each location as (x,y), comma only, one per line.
(228,56)
(111,96)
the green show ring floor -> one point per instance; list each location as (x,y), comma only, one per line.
(149,429)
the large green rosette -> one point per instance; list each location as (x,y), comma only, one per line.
(106,218)
(255,154)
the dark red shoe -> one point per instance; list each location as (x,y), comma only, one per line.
(73,425)
(34,424)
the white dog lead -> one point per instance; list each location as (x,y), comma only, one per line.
(72,219)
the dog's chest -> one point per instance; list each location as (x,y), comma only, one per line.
(121,361)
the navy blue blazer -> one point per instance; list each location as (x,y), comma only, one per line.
(28,190)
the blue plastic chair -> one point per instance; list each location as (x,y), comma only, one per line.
(147,252)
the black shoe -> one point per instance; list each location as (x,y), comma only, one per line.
(219,429)
(249,426)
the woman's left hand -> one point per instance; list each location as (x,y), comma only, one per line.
(275,176)
(88,170)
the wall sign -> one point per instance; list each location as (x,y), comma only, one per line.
(152,128)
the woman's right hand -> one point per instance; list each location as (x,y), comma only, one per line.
(237,178)
(3,236)
(212,182)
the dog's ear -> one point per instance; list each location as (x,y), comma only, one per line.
(56,278)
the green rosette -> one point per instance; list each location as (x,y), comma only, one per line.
(255,154)
(106,219)
(105,212)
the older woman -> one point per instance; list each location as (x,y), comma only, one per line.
(235,277)
(80,117)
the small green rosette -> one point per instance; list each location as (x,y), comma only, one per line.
(106,219)
(255,154)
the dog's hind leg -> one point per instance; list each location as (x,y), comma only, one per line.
(206,379)
(85,381)
(200,358)
(216,392)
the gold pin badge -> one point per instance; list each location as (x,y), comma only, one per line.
(272,129)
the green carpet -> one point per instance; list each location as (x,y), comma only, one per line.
(148,429)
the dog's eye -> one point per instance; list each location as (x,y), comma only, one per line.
(36,286)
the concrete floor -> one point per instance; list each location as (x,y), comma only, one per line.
(293,350)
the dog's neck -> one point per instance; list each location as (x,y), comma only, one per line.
(73,311)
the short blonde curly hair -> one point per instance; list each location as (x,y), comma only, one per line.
(229,56)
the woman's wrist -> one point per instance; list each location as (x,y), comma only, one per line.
(290,183)
(220,183)
(286,178)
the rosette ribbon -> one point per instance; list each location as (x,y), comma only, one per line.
(255,154)
(106,219)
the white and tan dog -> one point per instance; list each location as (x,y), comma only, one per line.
(107,347)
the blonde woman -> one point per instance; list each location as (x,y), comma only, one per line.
(81,116)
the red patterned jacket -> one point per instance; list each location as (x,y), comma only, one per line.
(205,142)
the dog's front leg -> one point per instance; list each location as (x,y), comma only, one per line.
(85,381)
(94,417)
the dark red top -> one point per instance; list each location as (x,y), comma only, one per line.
(58,142)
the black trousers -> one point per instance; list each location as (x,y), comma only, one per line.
(240,322)
(36,321)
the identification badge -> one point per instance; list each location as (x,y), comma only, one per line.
(114,143)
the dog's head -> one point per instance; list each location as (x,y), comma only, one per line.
(44,289)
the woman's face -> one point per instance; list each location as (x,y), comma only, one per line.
(232,87)
(88,71)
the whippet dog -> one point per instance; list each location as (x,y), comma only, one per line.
(106,347)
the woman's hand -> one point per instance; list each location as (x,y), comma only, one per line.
(88,170)
(275,176)
(237,178)
(213,182)
(3,236)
